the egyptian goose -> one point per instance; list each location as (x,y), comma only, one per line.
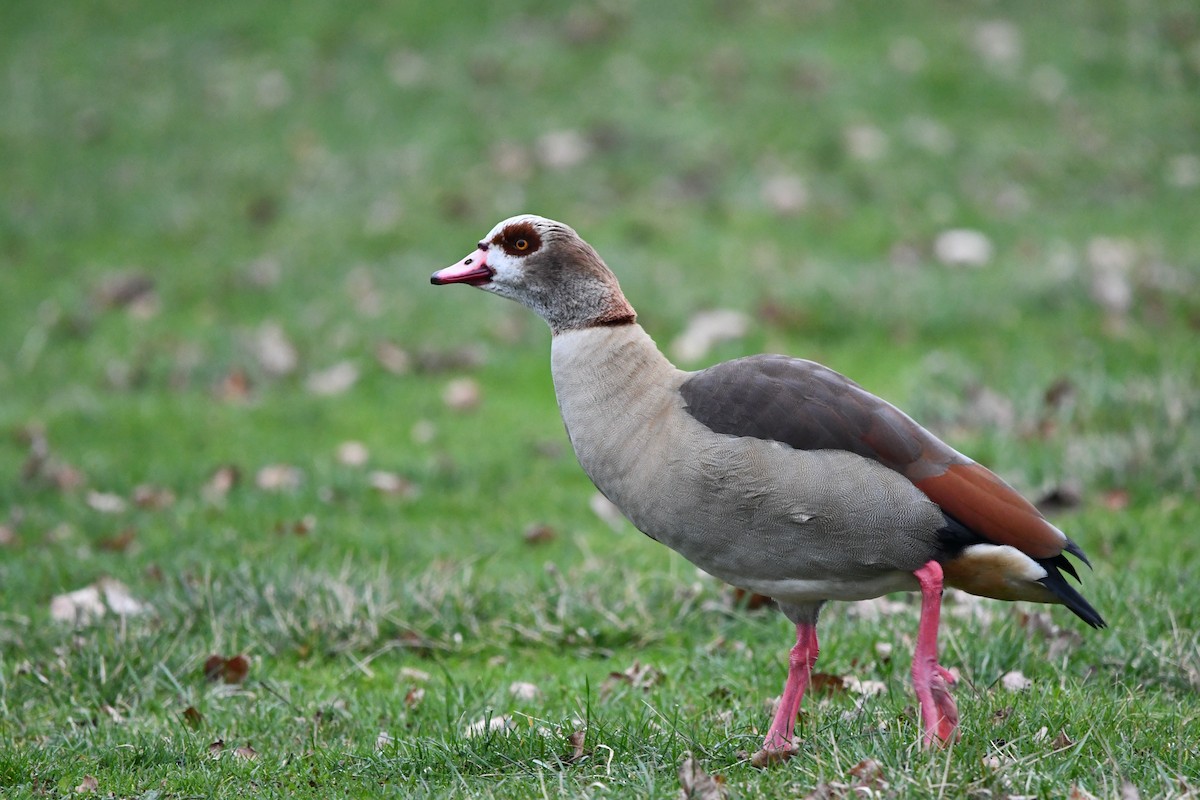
(774,474)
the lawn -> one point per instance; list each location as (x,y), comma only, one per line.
(336,540)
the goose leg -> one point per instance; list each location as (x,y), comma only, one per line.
(778,745)
(932,682)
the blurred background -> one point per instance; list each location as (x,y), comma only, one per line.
(220,354)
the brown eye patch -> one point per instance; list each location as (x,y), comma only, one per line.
(518,239)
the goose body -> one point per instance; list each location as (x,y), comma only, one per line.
(774,474)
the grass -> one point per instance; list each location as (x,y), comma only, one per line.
(310,168)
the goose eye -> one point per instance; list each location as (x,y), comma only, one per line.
(521,244)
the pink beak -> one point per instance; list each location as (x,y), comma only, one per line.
(472,270)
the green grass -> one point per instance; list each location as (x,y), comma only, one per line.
(309,166)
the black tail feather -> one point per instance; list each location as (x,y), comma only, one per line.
(1072,599)
(1077,551)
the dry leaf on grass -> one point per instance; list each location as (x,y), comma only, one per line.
(333,380)
(106,502)
(90,603)
(696,784)
(414,674)
(228,670)
(576,740)
(393,358)
(192,718)
(865,779)
(786,195)
(502,724)
(962,247)
(214,748)
(827,683)
(352,454)
(523,690)
(414,696)
(234,387)
(639,676)
(133,291)
(462,394)
(89,785)
(539,533)
(119,542)
(223,479)
(1015,681)
(274,351)
(384,740)
(390,483)
(278,478)
(247,752)
(152,498)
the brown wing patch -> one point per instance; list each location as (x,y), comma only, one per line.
(980,500)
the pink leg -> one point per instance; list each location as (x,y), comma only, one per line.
(778,745)
(932,682)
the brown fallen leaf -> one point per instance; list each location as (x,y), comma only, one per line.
(229,670)
(123,290)
(235,387)
(1078,793)
(192,718)
(119,542)
(247,752)
(89,785)
(152,498)
(384,740)
(1062,741)
(575,740)
(825,791)
(539,533)
(639,676)
(826,683)
(414,696)
(223,479)
(868,773)
(216,747)
(696,784)
(1115,499)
